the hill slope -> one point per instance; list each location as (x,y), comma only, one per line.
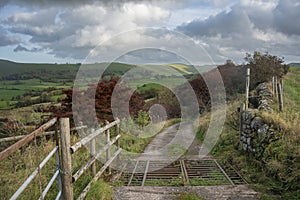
(274,170)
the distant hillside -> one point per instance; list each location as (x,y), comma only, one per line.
(22,71)
(294,64)
(186,69)
(25,71)
(9,67)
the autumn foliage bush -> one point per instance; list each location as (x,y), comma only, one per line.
(101,102)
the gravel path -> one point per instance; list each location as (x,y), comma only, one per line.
(158,149)
(171,143)
(240,192)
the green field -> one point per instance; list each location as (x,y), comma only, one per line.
(292,90)
(12,90)
(20,80)
(144,84)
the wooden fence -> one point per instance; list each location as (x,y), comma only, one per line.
(63,151)
(277,89)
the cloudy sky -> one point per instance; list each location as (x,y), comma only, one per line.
(69,31)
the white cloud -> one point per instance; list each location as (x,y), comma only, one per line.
(66,32)
(248,26)
(227,29)
(144,14)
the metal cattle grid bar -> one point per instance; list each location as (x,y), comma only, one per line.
(164,174)
(206,172)
(180,172)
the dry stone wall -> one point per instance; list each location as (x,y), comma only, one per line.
(255,134)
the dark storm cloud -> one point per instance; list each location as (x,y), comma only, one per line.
(47,3)
(20,48)
(284,18)
(250,25)
(225,23)
(287,16)
(150,56)
(7,39)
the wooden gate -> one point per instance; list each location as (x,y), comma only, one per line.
(63,151)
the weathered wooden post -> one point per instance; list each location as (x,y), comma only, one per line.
(247,87)
(107,133)
(241,109)
(118,141)
(282,88)
(280,97)
(57,157)
(273,86)
(66,162)
(117,133)
(93,153)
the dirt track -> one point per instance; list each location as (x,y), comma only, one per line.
(158,148)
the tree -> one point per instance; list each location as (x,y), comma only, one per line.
(143,118)
(264,66)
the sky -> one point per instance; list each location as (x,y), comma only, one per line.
(148,31)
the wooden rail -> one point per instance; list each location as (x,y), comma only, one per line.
(88,138)
(63,151)
(67,151)
(18,137)
(34,173)
(25,140)
(93,159)
(97,176)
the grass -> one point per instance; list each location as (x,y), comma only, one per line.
(149,86)
(275,173)
(100,191)
(16,168)
(24,115)
(181,67)
(134,144)
(175,181)
(171,82)
(10,90)
(292,91)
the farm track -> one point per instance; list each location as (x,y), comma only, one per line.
(154,175)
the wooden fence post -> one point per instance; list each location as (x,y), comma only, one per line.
(282,88)
(107,133)
(118,141)
(242,108)
(93,153)
(117,133)
(280,97)
(273,86)
(57,157)
(66,165)
(247,87)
